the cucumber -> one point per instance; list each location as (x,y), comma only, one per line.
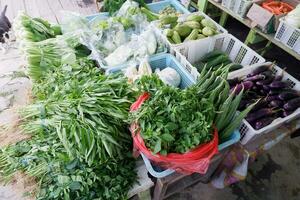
(222,64)
(211,55)
(218,60)
(235,66)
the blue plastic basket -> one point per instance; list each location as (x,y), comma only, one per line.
(162,61)
(159,173)
(98,16)
(158,6)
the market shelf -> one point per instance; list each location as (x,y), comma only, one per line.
(246,22)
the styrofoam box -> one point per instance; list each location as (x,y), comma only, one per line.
(247,131)
(288,35)
(238,52)
(171,47)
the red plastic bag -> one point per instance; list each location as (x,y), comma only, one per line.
(196,160)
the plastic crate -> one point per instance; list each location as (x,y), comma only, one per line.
(162,61)
(98,16)
(228,4)
(288,35)
(238,52)
(171,47)
(239,7)
(247,131)
(160,5)
(158,173)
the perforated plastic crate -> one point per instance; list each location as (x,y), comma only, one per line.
(156,172)
(171,47)
(247,131)
(162,61)
(239,7)
(238,52)
(288,35)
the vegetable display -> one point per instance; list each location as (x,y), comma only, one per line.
(78,125)
(175,120)
(194,27)
(217,59)
(273,95)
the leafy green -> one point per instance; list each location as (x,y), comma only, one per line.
(173,120)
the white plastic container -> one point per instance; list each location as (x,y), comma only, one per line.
(238,52)
(247,131)
(171,47)
(288,35)
(239,7)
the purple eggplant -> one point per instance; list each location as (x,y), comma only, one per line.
(233,82)
(265,81)
(276,103)
(264,112)
(268,74)
(247,85)
(266,88)
(255,78)
(292,104)
(263,122)
(271,98)
(286,113)
(279,91)
(288,95)
(259,70)
(278,84)
(262,103)
(278,77)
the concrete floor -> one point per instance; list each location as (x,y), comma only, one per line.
(275,175)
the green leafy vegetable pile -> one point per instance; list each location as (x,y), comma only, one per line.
(34,29)
(174,120)
(80,147)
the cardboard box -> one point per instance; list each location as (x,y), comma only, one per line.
(264,19)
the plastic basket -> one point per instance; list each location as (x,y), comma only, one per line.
(160,5)
(241,7)
(162,61)
(98,16)
(288,35)
(158,173)
(238,52)
(228,4)
(247,131)
(171,47)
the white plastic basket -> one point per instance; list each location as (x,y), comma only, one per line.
(288,35)
(238,52)
(239,7)
(247,131)
(171,47)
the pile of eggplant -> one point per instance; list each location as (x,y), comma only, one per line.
(273,96)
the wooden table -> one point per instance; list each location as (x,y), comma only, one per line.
(253,32)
